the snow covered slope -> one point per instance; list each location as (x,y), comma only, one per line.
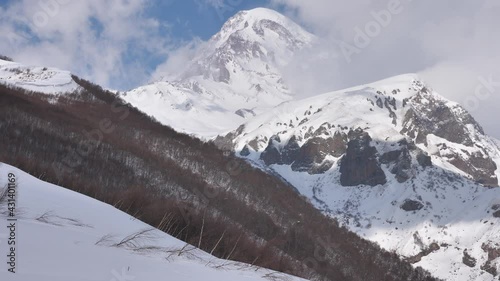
(234,76)
(40,79)
(497,142)
(62,235)
(395,162)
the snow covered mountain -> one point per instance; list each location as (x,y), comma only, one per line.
(187,188)
(396,163)
(393,160)
(234,76)
(41,79)
(63,235)
(497,142)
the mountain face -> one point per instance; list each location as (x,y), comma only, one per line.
(233,77)
(396,163)
(400,113)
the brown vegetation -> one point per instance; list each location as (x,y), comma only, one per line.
(92,143)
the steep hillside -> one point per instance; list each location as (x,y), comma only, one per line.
(61,234)
(395,162)
(91,142)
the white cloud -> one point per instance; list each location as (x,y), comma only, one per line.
(452,44)
(178,59)
(95,39)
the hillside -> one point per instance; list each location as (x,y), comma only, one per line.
(93,143)
(61,234)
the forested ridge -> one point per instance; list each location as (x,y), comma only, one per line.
(93,143)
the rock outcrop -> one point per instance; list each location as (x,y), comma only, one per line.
(428,114)
(412,205)
(468,260)
(360,165)
(310,157)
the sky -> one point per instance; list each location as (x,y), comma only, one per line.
(453,45)
(115,43)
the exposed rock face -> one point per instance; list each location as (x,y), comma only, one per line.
(479,167)
(468,260)
(412,205)
(310,157)
(291,151)
(226,142)
(496,214)
(339,144)
(428,114)
(401,160)
(424,160)
(403,167)
(427,251)
(360,166)
(254,144)
(493,254)
(283,33)
(391,156)
(245,151)
(272,154)
(245,113)
(496,209)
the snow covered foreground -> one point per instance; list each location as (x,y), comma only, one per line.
(57,234)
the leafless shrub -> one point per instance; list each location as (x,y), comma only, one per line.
(134,240)
(105,240)
(46,218)
(186,250)
(276,276)
(50,218)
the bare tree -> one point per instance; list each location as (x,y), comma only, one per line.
(202,228)
(218,242)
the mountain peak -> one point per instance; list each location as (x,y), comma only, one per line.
(261,13)
(235,75)
(254,24)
